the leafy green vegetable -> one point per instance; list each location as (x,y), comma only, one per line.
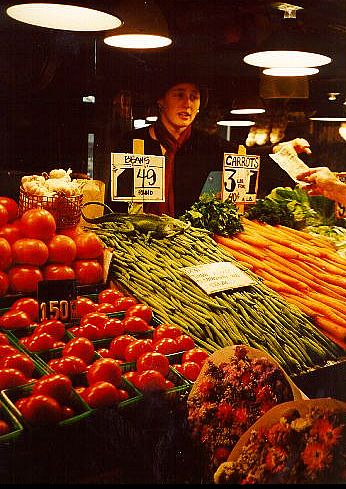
(271,212)
(285,206)
(218,217)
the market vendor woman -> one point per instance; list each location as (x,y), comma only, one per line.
(191,154)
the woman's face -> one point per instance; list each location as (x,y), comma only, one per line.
(179,106)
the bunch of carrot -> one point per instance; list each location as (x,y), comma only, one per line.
(305,270)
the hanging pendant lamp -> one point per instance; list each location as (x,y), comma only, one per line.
(72,15)
(144,27)
(330,111)
(287,47)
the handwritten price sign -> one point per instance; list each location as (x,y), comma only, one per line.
(137,177)
(240,177)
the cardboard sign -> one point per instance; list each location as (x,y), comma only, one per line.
(240,177)
(218,276)
(137,177)
(57,300)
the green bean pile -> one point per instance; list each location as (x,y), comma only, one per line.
(150,269)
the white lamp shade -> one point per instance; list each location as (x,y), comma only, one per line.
(286,59)
(65,17)
(137,41)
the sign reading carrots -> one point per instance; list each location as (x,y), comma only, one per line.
(240,177)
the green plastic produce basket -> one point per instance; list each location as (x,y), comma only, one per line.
(181,385)
(79,406)
(16,428)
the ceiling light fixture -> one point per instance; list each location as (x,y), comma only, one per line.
(71,16)
(330,112)
(246,99)
(144,27)
(290,71)
(235,123)
(286,47)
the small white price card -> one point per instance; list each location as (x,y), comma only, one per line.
(240,177)
(137,177)
(218,276)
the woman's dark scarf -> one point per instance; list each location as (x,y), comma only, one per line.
(171,146)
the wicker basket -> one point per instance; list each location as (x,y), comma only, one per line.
(66,210)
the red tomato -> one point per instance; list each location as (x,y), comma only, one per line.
(15,319)
(153,361)
(4,339)
(62,249)
(136,348)
(71,232)
(54,327)
(151,381)
(112,327)
(58,272)
(197,355)
(190,370)
(57,386)
(118,345)
(132,376)
(67,412)
(68,365)
(4,283)
(109,296)
(11,232)
(106,307)
(123,395)
(28,305)
(185,342)
(38,223)
(89,246)
(123,303)
(81,348)
(11,377)
(102,394)
(97,318)
(166,331)
(41,410)
(40,342)
(58,344)
(81,391)
(24,279)
(11,207)
(140,310)
(19,361)
(3,215)
(5,254)
(166,346)
(85,305)
(88,272)
(29,251)
(135,324)
(4,427)
(104,369)
(90,331)
(6,350)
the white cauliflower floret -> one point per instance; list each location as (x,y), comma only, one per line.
(34,188)
(33,178)
(61,174)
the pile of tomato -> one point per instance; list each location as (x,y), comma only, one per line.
(105,358)
(32,250)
